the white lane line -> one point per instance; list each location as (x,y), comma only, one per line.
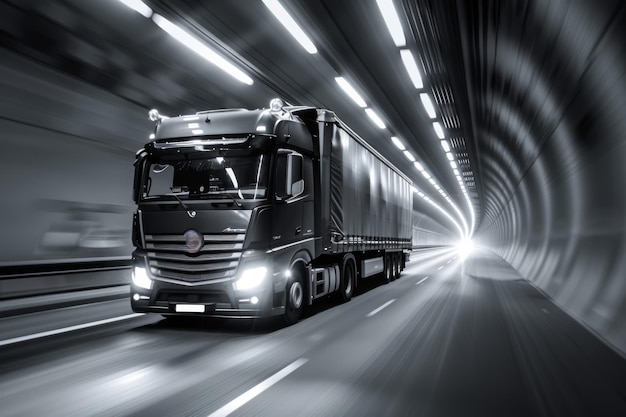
(257,389)
(440,268)
(67,329)
(421,280)
(371,313)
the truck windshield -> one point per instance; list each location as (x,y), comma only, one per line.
(228,177)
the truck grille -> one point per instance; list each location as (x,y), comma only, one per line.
(168,257)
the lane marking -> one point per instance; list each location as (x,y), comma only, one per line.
(68,329)
(450,260)
(440,268)
(257,389)
(421,280)
(371,313)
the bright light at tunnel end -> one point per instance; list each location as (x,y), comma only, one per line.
(465,247)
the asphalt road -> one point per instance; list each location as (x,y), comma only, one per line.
(449,338)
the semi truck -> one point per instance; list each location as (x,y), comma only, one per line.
(258,213)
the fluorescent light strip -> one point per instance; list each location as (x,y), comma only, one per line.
(409,156)
(198,47)
(445,146)
(287,21)
(398,143)
(377,120)
(428,105)
(411,68)
(138,6)
(350,91)
(419,166)
(438,130)
(392,21)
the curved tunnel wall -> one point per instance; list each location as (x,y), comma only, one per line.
(556,156)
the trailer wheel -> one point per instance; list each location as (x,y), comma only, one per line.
(396,266)
(348,279)
(388,269)
(294,299)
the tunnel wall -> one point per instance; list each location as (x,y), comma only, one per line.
(564,224)
(66,158)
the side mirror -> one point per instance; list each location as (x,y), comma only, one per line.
(297,188)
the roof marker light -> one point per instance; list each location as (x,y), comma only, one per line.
(392,21)
(372,115)
(438,130)
(290,24)
(350,91)
(428,105)
(398,143)
(411,68)
(201,49)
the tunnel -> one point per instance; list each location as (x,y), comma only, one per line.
(505,117)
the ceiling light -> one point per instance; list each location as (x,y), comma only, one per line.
(432,181)
(450,156)
(392,21)
(138,6)
(418,166)
(445,146)
(438,130)
(456,171)
(350,91)
(453,164)
(201,49)
(287,21)
(398,143)
(426,174)
(428,105)
(411,68)
(375,118)
(409,156)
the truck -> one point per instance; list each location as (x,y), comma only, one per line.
(258,213)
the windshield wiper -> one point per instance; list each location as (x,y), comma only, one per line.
(190,212)
(226,193)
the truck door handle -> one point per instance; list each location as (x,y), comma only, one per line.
(298,230)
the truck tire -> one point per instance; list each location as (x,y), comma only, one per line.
(348,279)
(388,269)
(294,299)
(396,267)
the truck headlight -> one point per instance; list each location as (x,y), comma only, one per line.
(141,279)
(251,278)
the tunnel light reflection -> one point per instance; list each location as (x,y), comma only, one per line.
(138,6)
(398,143)
(201,49)
(290,24)
(411,68)
(428,105)
(350,91)
(375,118)
(392,21)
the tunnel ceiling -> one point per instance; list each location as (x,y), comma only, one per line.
(500,73)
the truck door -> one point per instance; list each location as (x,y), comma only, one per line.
(290,199)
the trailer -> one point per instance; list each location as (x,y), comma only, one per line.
(256,213)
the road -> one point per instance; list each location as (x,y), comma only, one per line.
(451,337)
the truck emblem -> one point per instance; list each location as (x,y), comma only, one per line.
(194,241)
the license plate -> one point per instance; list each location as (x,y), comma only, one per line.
(189,308)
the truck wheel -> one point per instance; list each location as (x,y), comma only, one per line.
(294,300)
(348,278)
(396,266)
(388,269)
